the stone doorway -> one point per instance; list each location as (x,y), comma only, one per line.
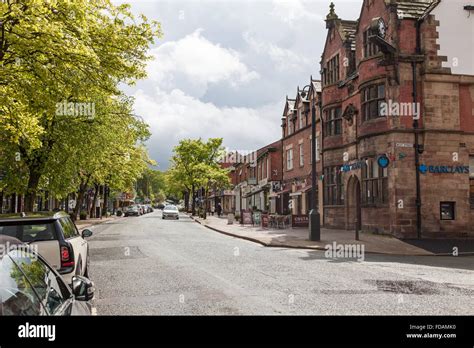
(353,205)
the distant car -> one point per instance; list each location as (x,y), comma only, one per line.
(56,237)
(170,211)
(149,208)
(161,206)
(30,286)
(133,210)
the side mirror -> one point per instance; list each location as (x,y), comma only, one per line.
(86,233)
(82,288)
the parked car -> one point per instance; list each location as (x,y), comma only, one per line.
(170,211)
(149,208)
(161,206)
(56,237)
(133,210)
(30,286)
(144,209)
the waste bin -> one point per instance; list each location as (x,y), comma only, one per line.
(230,219)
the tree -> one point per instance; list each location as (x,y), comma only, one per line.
(59,51)
(195,165)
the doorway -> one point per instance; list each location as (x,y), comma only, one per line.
(353,207)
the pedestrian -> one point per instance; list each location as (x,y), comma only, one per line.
(219,209)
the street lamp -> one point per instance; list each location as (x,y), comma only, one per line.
(314,218)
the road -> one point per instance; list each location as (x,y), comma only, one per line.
(149,266)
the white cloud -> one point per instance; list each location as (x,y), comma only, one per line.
(175,115)
(196,62)
(293,11)
(284,59)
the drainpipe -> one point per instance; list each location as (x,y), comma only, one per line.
(418,148)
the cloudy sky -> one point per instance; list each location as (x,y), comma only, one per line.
(223,68)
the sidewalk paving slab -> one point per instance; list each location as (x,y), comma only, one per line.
(83,224)
(299,238)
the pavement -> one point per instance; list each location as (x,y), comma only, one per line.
(149,266)
(373,243)
(83,224)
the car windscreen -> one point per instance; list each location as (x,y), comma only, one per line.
(29,231)
(171,207)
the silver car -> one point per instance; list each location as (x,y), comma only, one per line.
(171,211)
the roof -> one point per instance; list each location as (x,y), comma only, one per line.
(316,85)
(347,30)
(39,216)
(414,9)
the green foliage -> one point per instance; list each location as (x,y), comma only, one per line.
(62,51)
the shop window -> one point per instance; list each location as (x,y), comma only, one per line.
(374,183)
(471,181)
(372,98)
(333,186)
(447,210)
(333,121)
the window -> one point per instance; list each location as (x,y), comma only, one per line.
(301,119)
(333,121)
(268,168)
(290,126)
(331,74)
(370,49)
(374,183)
(301,155)
(289,159)
(333,186)
(68,227)
(16,294)
(447,210)
(471,181)
(31,232)
(51,292)
(372,98)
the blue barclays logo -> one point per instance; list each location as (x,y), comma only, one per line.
(424,169)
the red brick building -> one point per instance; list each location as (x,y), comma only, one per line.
(398,117)
(295,192)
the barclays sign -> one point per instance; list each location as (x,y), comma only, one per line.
(424,169)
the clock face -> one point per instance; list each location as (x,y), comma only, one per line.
(382,28)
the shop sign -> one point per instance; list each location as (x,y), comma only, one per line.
(424,169)
(354,166)
(300,220)
(246,218)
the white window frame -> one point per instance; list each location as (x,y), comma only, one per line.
(289,159)
(301,154)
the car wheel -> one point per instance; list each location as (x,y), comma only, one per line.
(162,217)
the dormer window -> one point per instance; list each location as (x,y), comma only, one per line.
(370,49)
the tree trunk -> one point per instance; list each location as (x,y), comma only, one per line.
(186,200)
(193,203)
(1,201)
(206,193)
(94,201)
(32,188)
(80,197)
